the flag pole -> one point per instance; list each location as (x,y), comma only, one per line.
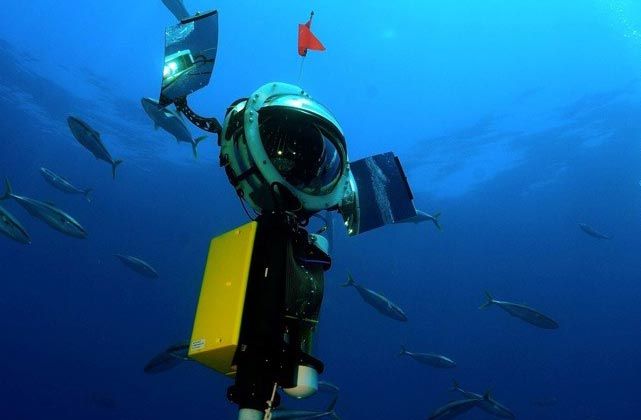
(300,72)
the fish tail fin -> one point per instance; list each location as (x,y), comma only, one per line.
(331,408)
(488,302)
(455,385)
(87,193)
(114,165)
(7,191)
(194,145)
(435,220)
(403,350)
(350,281)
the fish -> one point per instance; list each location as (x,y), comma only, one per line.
(422,216)
(593,232)
(171,121)
(523,312)
(487,403)
(177,8)
(11,227)
(64,185)
(430,359)
(283,413)
(48,213)
(90,139)
(379,302)
(324,386)
(138,265)
(454,409)
(168,359)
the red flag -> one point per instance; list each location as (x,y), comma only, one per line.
(306,39)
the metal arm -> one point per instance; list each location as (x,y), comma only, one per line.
(207,124)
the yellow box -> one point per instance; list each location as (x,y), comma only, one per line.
(222,298)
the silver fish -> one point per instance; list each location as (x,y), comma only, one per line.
(177,8)
(48,213)
(430,359)
(138,265)
(10,226)
(593,232)
(63,185)
(90,139)
(324,386)
(283,413)
(379,302)
(487,403)
(168,359)
(523,312)
(171,121)
(421,216)
(454,409)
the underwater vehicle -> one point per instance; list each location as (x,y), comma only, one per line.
(48,213)
(285,155)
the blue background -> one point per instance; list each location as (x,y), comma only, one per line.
(516,120)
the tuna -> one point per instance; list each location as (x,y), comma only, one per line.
(593,232)
(527,314)
(454,409)
(64,185)
(168,359)
(486,403)
(324,386)
(379,302)
(10,227)
(421,217)
(302,414)
(48,213)
(138,265)
(171,121)
(90,139)
(430,359)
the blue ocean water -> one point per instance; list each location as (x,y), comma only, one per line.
(516,120)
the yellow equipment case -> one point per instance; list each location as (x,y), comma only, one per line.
(218,319)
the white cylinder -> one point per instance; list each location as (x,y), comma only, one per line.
(306,383)
(250,414)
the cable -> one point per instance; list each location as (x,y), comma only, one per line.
(242,203)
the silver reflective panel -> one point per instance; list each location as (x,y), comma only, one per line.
(384,196)
(190,53)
